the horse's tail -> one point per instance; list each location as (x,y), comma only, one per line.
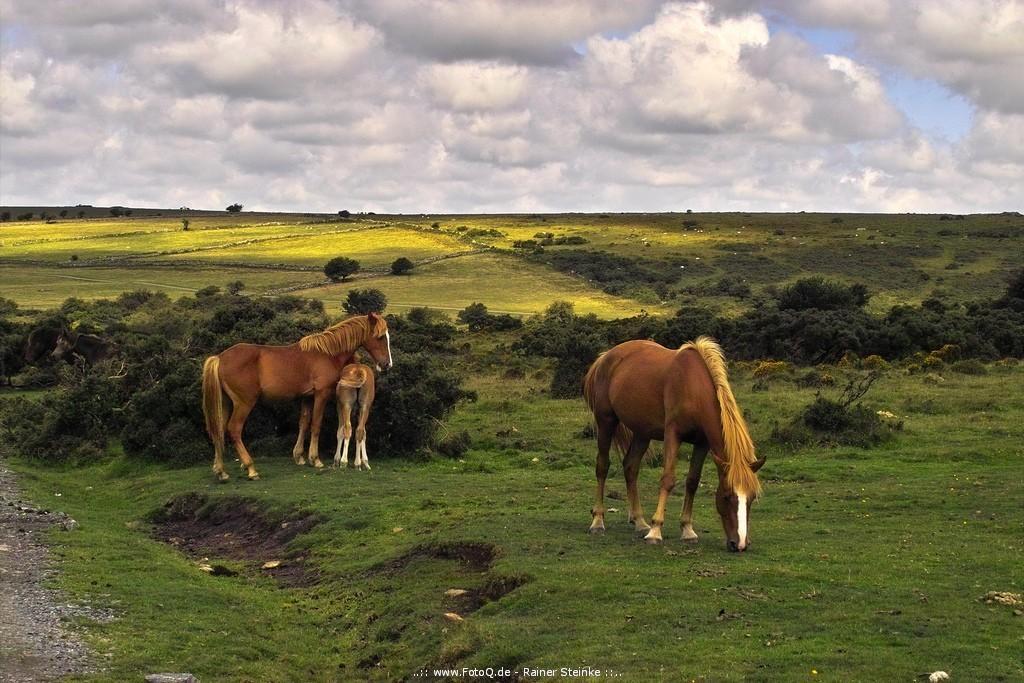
(739,447)
(353,382)
(623,435)
(213,402)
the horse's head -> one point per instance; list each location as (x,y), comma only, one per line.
(65,343)
(734,509)
(378,342)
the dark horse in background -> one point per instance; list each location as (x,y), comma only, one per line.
(89,347)
(309,368)
(59,342)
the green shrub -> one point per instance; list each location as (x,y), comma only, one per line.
(402,265)
(477,318)
(969,366)
(339,268)
(819,293)
(72,422)
(454,445)
(363,301)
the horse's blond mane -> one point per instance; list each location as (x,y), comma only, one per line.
(344,337)
(738,444)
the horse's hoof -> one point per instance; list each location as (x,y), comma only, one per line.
(642,530)
(689,537)
(319,465)
(222,477)
(594,530)
(301,462)
(653,537)
(254,476)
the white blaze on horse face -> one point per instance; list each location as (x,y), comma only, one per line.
(387,336)
(741,519)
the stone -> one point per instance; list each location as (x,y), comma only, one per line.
(171,678)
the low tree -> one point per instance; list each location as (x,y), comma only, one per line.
(235,287)
(344,213)
(116,211)
(5,216)
(63,213)
(233,208)
(363,301)
(340,267)
(81,214)
(402,266)
(184,224)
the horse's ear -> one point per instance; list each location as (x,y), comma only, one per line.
(757,464)
(372,317)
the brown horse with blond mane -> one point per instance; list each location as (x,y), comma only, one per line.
(640,391)
(310,367)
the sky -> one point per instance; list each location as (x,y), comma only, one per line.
(446,106)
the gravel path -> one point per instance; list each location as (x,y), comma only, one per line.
(34,645)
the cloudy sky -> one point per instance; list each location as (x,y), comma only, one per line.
(514,105)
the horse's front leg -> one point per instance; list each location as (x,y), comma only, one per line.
(300,443)
(668,482)
(319,404)
(700,451)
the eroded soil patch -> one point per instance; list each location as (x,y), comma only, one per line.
(238,529)
(473,555)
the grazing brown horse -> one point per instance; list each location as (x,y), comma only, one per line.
(357,384)
(310,367)
(640,391)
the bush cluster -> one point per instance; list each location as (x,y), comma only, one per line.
(477,318)
(149,395)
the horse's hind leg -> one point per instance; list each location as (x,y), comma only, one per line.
(320,400)
(236,423)
(365,401)
(605,433)
(700,451)
(631,470)
(300,443)
(345,399)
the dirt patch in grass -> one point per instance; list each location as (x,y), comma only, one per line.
(238,529)
(473,555)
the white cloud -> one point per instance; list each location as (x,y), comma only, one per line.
(468,86)
(477,105)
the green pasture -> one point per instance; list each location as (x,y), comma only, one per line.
(902,258)
(373,248)
(40,287)
(506,284)
(865,565)
(177,242)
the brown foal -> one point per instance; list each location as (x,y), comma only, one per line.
(357,385)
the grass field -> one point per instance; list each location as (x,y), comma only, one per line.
(865,564)
(902,258)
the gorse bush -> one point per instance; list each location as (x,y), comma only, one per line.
(363,301)
(821,294)
(75,421)
(477,318)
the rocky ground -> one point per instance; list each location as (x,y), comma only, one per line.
(35,643)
